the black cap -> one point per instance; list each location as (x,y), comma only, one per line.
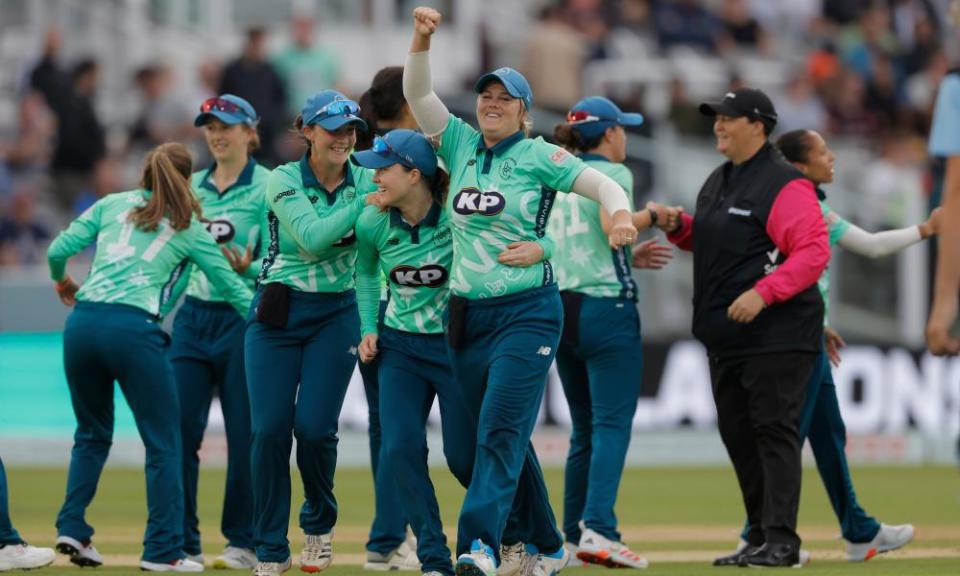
(743,102)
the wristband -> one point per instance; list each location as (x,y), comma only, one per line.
(653,216)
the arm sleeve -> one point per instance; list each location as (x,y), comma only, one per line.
(205,253)
(547,244)
(682,237)
(299,219)
(81,233)
(368,281)
(877,244)
(796,226)
(427,108)
(599,187)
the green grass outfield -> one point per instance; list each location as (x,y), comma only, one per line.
(678,517)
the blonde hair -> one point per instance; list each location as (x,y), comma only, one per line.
(166,173)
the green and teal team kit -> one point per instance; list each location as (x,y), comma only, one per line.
(312,245)
(416,263)
(583,259)
(836,228)
(497,196)
(141,268)
(235,217)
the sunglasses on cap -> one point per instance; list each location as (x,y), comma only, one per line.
(335,108)
(220,105)
(381,147)
(575,117)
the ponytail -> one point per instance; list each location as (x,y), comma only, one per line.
(573,140)
(439,183)
(166,174)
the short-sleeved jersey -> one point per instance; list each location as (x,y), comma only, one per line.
(945,129)
(497,196)
(416,261)
(836,228)
(235,217)
(137,267)
(583,259)
(312,245)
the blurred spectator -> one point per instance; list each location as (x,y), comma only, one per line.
(844,12)
(882,98)
(34,137)
(891,181)
(593,19)
(685,23)
(844,99)
(800,108)
(823,66)
(921,89)
(163,117)
(925,42)
(553,60)
(305,67)
(107,179)
(253,77)
(870,37)
(740,29)
(685,114)
(23,238)
(81,140)
(47,77)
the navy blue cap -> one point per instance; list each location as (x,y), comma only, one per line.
(516,85)
(227,108)
(593,115)
(400,146)
(748,102)
(331,110)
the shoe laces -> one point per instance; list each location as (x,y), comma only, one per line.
(317,547)
(512,553)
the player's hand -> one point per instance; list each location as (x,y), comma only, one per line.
(368,348)
(746,307)
(942,317)
(521,254)
(239,262)
(67,290)
(622,230)
(651,255)
(426,20)
(376,199)
(668,217)
(834,343)
(932,226)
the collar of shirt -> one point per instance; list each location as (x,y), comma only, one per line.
(310,180)
(588,156)
(431,220)
(502,146)
(244,179)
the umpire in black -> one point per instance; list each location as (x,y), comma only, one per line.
(759,245)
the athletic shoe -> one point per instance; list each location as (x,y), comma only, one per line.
(551,564)
(744,548)
(24,557)
(597,549)
(403,557)
(271,568)
(317,552)
(773,555)
(433,573)
(480,561)
(887,539)
(181,565)
(198,558)
(573,549)
(234,558)
(83,555)
(517,559)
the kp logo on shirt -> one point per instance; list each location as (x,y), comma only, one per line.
(472,201)
(429,276)
(221,230)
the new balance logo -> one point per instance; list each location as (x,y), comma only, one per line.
(393,242)
(472,201)
(544,350)
(352,350)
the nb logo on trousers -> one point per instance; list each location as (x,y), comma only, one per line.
(544,350)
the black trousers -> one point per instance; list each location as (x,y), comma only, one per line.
(759,399)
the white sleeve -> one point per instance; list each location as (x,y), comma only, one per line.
(597,186)
(429,111)
(877,244)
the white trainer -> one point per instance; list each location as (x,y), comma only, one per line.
(574,560)
(83,555)
(317,552)
(25,557)
(198,558)
(234,558)
(402,558)
(271,568)
(551,564)
(479,561)
(887,539)
(598,549)
(181,565)
(517,559)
